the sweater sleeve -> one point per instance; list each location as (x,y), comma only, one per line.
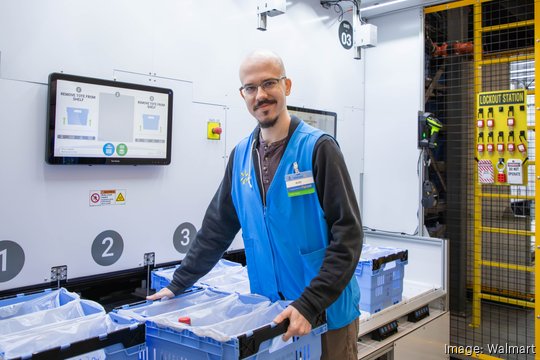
(338,201)
(219,227)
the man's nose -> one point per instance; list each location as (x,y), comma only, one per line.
(261,93)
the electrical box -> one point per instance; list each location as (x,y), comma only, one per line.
(367,36)
(271,7)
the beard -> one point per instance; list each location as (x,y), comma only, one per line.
(268,123)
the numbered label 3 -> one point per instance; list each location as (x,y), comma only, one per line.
(183,237)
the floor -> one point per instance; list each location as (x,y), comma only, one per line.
(506,332)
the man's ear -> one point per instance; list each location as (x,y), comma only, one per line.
(242,94)
(288,85)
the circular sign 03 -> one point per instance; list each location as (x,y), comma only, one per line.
(11,260)
(107,248)
(346,34)
(183,237)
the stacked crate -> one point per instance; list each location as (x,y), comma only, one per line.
(380,273)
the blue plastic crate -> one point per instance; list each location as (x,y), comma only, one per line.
(128,342)
(146,309)
(160,278)
(172,344)
(119,352)
(217,312)
(123,339)
(22,304)
(380,275)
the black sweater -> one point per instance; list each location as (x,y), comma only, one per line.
(336,196)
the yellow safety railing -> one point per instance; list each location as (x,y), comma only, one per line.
(477,244)
(479,229)
(537,194)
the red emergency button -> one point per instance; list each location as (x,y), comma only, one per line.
(213,130)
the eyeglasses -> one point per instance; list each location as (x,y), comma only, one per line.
(266,85)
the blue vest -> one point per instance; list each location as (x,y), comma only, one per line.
(285,242)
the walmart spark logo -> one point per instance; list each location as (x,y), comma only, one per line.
(244,177)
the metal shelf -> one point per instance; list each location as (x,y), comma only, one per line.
(368,347)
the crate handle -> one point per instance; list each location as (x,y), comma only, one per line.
(126,306)
(249,345)
(402,256)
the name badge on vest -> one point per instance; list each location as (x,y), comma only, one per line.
(299,183)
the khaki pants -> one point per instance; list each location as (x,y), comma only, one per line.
(341,344)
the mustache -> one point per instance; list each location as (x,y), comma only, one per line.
(263,102)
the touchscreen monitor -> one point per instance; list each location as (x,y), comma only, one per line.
(324,120)
(96,121)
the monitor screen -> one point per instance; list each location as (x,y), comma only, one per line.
(324,120)
(95,121)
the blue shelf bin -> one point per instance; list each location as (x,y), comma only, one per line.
(380,275)
(160,278)
(126,343)
(57,324)
(22,304)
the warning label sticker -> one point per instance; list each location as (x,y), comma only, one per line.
(107,197)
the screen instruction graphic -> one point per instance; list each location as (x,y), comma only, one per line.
(501,137)
(104,121)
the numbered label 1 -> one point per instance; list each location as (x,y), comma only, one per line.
(346,34)
(107,248)
(11,260)
(183,237)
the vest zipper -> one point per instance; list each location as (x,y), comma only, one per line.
(263,193)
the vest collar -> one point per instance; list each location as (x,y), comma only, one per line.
(295,121)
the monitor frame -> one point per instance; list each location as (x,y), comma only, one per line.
(296,110)
(101,160)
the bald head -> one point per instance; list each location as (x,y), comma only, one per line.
(262,58)
(263,73)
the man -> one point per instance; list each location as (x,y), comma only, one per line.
(286,186)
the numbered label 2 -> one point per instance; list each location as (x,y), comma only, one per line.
(107,247)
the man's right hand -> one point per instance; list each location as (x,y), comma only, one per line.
(161,294)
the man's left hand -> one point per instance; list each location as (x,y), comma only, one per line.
(298,324)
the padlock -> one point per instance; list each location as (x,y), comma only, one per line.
(490,123)
(480,123)
(511,147)
(511,121)
(490,147)
(500,147)
(522,149)
(480,148)
(501,176)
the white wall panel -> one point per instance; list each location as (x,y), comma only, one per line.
(194,47)
(83,37)
(393,96)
